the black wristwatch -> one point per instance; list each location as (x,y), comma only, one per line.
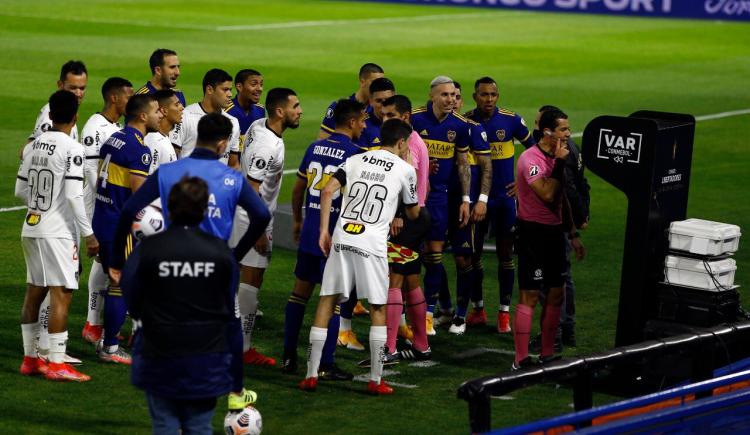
(574,235)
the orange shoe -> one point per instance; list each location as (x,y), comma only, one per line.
(360,310)
(477,317)
(503,322)
(65,372)
(348,339)
(255,358)
(379,389)
(405,332)
(92,333)
(33,366)
(308,384)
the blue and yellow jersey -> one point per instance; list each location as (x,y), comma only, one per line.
(502,128)
(444,139)
(329,124)
(256,112)
(370,136)
(148,88)
(123,156)
(322,159)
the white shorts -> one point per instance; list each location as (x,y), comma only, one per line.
(51,262)
(252,258)
(348,268)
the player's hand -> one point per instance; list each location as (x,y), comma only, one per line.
(479,211)
(324,242)
(92,245)
(261,246)
(561,150)
(114,276)
(434,166)
(463,214)
(396,226)
(296,231)
(577,245)
(512,189)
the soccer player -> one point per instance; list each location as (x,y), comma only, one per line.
(246,105)
(320,161)
(126,162)
(263,165)
(502,127)
(459,97)
(367,73)
(165,69)
(541,234)
(448,138)
(380,90)
(50,181)
(227,189)
(217,96)
(376,183)
(158,142)
(116,92)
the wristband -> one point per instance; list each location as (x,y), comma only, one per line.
(574,235)
(483,198)
(466,198)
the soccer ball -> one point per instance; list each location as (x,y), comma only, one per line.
(246,422)
(148,222)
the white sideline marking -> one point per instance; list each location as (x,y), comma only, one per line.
(503,397)
(20,207)
(424,364)
(366,378)
(480,350)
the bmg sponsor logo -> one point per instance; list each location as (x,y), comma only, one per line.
(622,148)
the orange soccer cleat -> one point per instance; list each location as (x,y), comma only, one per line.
(255,358)
(33,366)
(379,389)
(65,373)
(308,384)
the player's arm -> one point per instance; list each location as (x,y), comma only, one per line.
(234,146)
(176,137)
(90,167)
(144,196)
(298,198)
(22,181)
(73,187)
(549,188)
(523,134)
(335,183)
(464,177)
(234,160)
(409,194)
(259,216)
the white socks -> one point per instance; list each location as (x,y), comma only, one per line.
(57,343)
(345,324)
(378,336)
(97,282)
(43,324)
(247,300)
(29,331)
(317,340)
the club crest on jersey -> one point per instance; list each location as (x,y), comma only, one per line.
(260,163)
(45,127)
(33,219)
(354,228)
(88,140)
(533,170)
(500,134)
(451,135)
(146,159)
(329,113)
(78,160)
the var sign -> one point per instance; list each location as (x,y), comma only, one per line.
(621,148)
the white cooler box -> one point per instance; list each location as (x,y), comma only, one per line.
(692,272)
(702,237)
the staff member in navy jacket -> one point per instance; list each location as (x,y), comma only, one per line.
(179,285)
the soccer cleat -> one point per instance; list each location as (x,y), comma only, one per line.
(429,327)
(405,332)
(258,313)
(388,360)
(334,373)
(360,310)
(289,362)
(379,389)
(239,401)
(548,359)
(308,384)
(477,317)
(33,366)
(92,333)
(443,318)
(43,354)
(255,358)
(349,339)
(414,354)
(523,364)
(458,326)
(118,357)
(503,322)
(65,372)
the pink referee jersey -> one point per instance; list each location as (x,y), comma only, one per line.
(420,159)
(534,164)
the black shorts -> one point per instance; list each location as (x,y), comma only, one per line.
(412,236)
(541,255)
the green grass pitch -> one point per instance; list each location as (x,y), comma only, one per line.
(588,65)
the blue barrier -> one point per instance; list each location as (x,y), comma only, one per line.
(736,10)
(661,418)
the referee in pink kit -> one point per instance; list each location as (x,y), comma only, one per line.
(542,225)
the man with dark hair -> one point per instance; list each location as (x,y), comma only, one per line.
(262,164)
(162,150)
(217,96)
(165,69)
(246,105)
(541,230)
(125,164)
(320,161)
(116,92)
(367,73)
(179,284)
(503,127)
(380,89)
(227,189)
(50,182)
(376,182)
(459,97)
